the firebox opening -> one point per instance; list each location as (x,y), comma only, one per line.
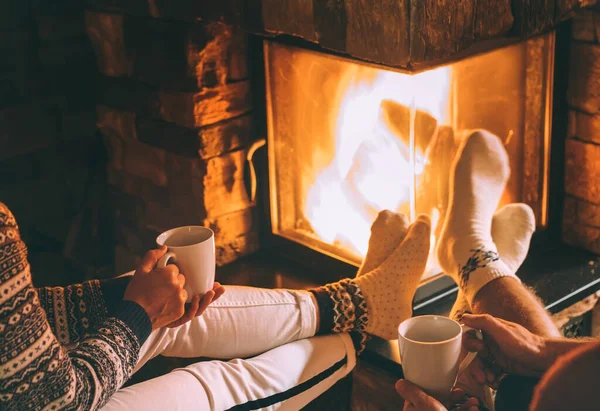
(347,140)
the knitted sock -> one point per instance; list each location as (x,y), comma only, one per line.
(465,249)
(512,228)
(378,301)
(387,232)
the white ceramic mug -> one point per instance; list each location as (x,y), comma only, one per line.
(430,347)
(192,250)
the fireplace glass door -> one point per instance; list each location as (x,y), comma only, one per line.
(348,139)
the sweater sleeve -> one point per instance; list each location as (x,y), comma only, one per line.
(76,310)
(36,371)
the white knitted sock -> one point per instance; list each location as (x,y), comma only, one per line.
(389,289)
(512,228)
(387,232)
(465,249)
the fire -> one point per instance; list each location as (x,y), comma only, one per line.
(379,158)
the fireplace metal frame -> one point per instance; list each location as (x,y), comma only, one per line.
(544,167)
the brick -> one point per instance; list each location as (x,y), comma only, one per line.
(226,136)
(579,235)
(232,225)
(582,170)
(207,142)
(116,123)
(25,129)
(241,246)
(106,33)
(52,28)
(223,189)
(584,87)
(584,126)
(206,107)
(138,187)
(146,162)
(183,10)
(582,212)
(115,148)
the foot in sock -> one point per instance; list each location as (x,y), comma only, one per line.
(465,249)
(387,232)
(377,301)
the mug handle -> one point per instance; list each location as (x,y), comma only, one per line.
(164,260)
(470,356)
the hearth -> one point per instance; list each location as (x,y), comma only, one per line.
(348,138)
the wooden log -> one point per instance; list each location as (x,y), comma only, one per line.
(582,170)
(584,87)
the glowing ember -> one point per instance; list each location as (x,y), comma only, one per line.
(379,157)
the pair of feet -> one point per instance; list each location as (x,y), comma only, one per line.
(477,243)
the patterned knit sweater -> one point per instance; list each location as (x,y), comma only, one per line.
(61,348)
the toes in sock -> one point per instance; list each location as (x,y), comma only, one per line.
(387,232)
(465,249)
(512,228)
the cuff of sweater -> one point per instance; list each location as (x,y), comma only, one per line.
(136,318)
(113,290)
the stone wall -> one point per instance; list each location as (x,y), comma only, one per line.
(581,221)
(174,109)
(52,161)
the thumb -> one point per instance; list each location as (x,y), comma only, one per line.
(413,394)
(150,259)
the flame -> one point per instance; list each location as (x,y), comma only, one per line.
(374,168)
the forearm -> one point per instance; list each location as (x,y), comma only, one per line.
(555,347)
(75,310)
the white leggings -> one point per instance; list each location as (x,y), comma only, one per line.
(288,367)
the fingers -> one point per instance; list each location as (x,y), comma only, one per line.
(219,291)
(484,322)
(189,313)
(205,302)
(472,343)
(413,394)
(150,259)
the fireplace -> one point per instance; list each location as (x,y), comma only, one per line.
(347,139)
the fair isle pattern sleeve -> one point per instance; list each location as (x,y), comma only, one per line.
(36,372)
(73,311)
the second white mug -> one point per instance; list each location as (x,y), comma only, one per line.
(430,347)
(192,249)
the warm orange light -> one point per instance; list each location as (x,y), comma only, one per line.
(378,159)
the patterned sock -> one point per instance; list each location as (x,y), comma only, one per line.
(387,232)
(378,301)
(465,250)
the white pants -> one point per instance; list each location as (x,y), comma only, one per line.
(288,368)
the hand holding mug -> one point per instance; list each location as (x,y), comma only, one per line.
(159,291)
(415,399)
(506,348)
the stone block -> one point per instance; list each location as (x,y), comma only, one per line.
(27,128)
(584,26)
(207,107)
(241,246)
(236,234)
(145,162)
(106,33)
(584,88)
(115,148)
(582,170)
(206,142)
(116,123)
(138,187)
(223,190)
(581,212)
(584,126)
